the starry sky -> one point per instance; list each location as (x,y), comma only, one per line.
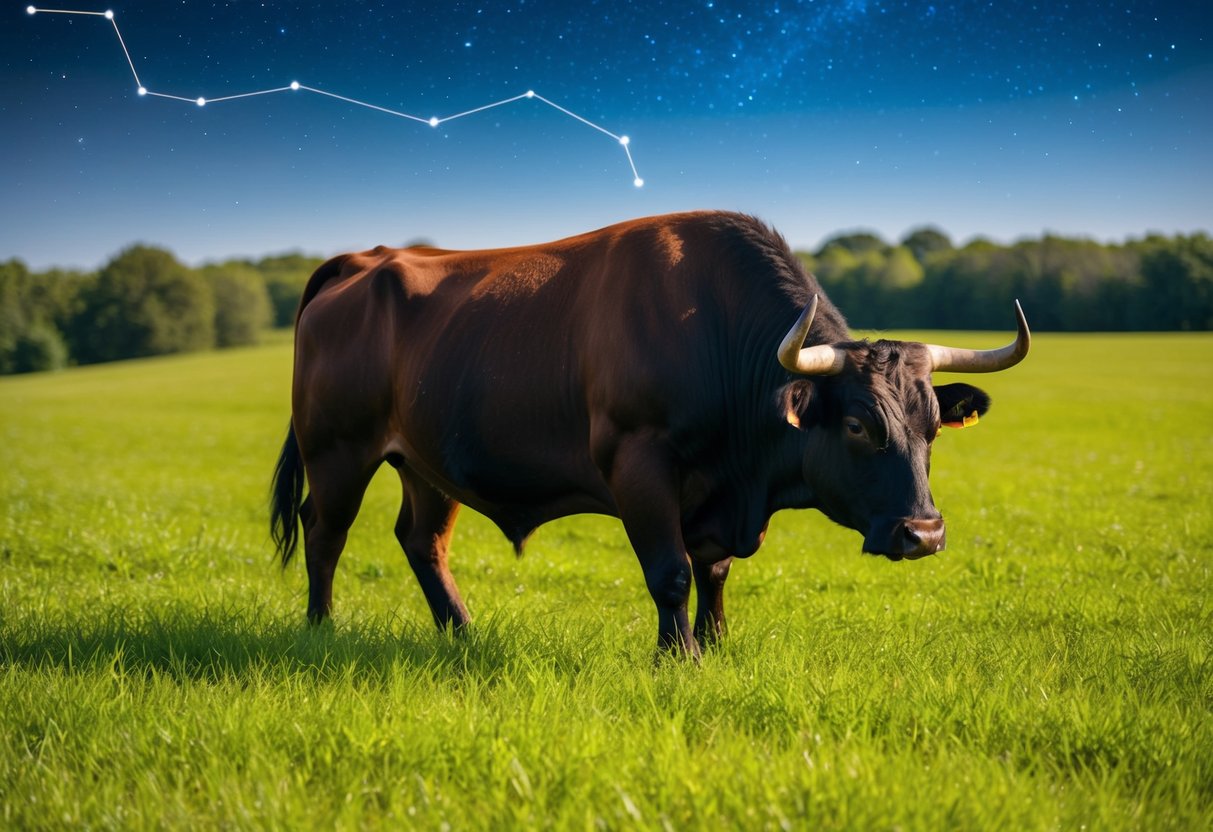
(1001,119)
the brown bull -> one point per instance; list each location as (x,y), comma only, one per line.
(682,373)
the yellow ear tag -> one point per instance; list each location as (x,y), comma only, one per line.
(966,422)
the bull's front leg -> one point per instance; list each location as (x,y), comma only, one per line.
(643,482)
(709,588)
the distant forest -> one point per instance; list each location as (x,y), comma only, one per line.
(145,302)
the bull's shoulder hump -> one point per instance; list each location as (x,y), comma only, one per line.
(395,272)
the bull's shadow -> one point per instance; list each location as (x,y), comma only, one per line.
(212,644)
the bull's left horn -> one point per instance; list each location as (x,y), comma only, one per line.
(950,359)
(822,360)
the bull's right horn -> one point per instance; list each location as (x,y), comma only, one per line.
(821,360)
(950,359)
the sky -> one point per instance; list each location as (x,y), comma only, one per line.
(998,119)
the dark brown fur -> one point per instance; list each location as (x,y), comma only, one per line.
(631,372)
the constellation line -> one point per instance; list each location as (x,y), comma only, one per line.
(295,86)
(110,17)
(362,104)
(166,95)
(247,94)
(527,94)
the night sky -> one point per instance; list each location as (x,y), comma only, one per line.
(1000,119)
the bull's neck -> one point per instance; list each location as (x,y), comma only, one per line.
(765,445)
(760,332)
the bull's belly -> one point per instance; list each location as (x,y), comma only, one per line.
(709,537)
(711,533)
(520,497)
(527,485)
(518,521)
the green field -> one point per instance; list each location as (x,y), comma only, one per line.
(1051,670)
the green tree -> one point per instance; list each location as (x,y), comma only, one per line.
(13,277)
(902,271)
(856,242)
(835,268)
(926,241)
(1177,277)
(834,264)
(29,339)
(242,304)
(950,295)
(144,302)
(893,289)
(285,276)
(39,347)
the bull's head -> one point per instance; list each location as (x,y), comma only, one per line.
(870,416)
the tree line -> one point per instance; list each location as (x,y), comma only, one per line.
(145,302)
(1076,285)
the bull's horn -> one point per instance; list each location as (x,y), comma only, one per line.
(949,359)
(822,360)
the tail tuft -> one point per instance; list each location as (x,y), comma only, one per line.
(286,497)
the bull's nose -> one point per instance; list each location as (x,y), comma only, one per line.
(922,537)
(905,537)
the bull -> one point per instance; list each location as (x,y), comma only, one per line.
(682,373)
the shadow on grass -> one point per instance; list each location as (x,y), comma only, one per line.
(209,644)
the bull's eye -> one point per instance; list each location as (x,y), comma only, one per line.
(854,426)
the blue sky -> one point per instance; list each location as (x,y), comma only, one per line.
(999,119)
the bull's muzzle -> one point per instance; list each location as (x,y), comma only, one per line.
(905,537)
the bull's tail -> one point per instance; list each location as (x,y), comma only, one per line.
(286,491)
(286,498)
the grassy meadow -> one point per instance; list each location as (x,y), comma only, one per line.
(1050,670)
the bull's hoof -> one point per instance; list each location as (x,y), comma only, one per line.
(319,619)
(672,650)
(709,633)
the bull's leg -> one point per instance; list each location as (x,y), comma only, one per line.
(709,588)
(337,482)
(645,489)
(424,528)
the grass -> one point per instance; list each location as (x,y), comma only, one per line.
(1050,670)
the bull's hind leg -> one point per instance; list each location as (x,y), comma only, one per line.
(709,588)
(337,482)
(424,528)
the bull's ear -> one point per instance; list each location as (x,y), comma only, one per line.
(796,403)
(960,405)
